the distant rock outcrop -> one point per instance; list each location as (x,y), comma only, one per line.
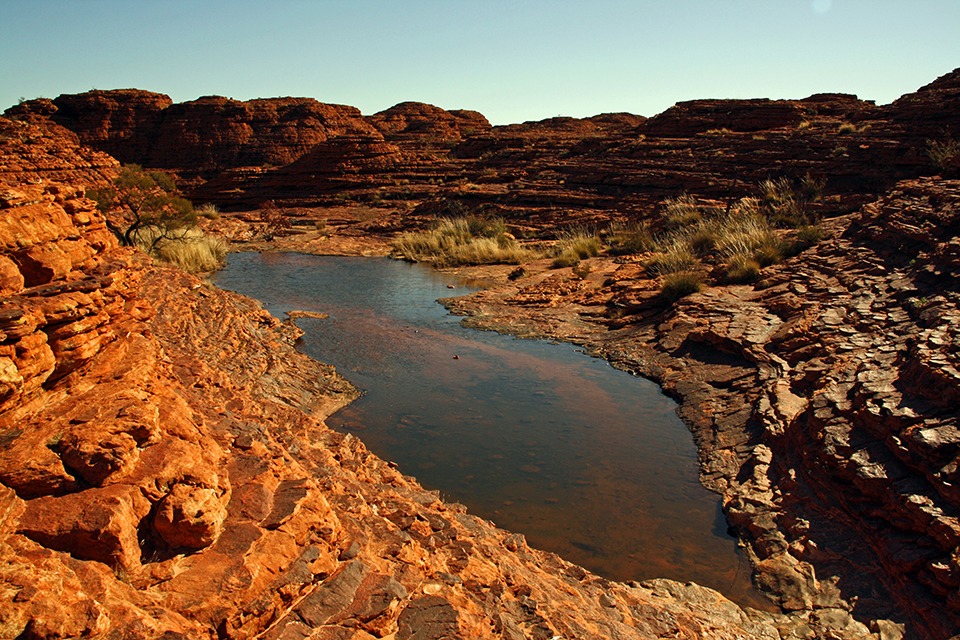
(717,149)
(425,125)
(199,138)
(931,111)
(123,123)
(212,134)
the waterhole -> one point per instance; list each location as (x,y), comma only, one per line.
(585,460)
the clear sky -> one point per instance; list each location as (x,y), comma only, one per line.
(512,60)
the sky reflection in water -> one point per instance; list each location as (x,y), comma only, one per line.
(585,460)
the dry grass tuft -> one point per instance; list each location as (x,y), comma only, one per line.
(629,239)
(190,249)
(576,245)
(582,243)
(675,258)
(680,284)
(469,240)
(209,211)
(681,212)
(742,268)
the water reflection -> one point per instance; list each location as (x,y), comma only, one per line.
(583,459)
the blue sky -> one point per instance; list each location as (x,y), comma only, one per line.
(513,60)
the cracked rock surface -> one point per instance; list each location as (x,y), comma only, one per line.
(823,400)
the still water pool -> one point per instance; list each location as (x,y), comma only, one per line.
(585,460)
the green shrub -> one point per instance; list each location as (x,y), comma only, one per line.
(942,153)
(680,284)
(138,199)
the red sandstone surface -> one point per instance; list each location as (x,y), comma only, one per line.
(166,469)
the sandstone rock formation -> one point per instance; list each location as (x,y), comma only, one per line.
(561,170)
(425,125)
(202,137)
(166,468)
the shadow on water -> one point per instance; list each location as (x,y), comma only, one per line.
(583,459)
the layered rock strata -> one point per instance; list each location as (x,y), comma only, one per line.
(558,171)
(822,400)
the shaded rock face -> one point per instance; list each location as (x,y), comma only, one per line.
(165,473)
(686,119)
(424,124)
(929,112)
(212,134)
(341,162)
(123,123)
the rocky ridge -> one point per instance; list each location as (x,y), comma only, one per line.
(557,171)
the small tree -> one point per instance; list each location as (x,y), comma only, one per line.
(139,200)
(275,220)
(942,153)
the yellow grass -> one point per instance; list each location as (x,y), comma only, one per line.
(190,249)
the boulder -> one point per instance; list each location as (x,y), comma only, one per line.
(190,517)
(94,524)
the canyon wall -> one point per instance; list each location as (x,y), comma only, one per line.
(822,399)
(302,153)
